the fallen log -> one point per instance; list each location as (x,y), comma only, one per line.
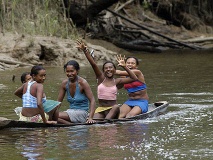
(151,31)
(123,5)
(80,15)
(133,32)
(199,40)
(153,44)
(15,62)
(152,19)
(136,47)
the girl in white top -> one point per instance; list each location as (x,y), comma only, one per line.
(33,95)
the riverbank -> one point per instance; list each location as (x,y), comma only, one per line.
(25,50)
(18,50)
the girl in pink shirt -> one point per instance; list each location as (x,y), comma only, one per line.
(107,84)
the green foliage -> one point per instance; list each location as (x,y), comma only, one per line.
(146,4)
(36,17)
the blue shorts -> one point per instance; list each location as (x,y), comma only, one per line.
(142,103)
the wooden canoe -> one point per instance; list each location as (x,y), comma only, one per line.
(155,109)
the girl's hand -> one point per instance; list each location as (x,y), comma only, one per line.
(81,45)
(52,122)
(90,120)
(121,60)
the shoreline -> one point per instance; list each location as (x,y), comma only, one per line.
(19,50)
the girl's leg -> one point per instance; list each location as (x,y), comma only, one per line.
(124,110)
(63,118)
(135,111)
(99,115)
(53,114)
(56,115)
(113,113)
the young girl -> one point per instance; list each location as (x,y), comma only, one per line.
(79,95)
(107,84)
(137,91)
(50,106)
(25,77)
(32,95)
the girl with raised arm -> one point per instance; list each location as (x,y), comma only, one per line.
(107,84)
(137,91)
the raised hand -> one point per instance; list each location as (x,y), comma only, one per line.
(81,45)
(121,60)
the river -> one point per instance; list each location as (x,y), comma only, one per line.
(183,78)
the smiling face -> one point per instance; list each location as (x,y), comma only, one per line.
(71,72)
(40,77)
(109,70)
(131,63)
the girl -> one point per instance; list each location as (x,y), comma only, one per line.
(25,77)
(33,97)
(107,84)
(137,92)
(79,95)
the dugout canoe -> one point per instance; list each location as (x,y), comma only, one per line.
(154,110)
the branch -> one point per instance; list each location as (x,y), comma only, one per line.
(15,62)
(123,5)
(197,40)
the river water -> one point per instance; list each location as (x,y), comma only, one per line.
(183,78)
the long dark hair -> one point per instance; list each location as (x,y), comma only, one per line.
(74,63)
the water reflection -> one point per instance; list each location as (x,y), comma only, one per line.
(105,136)
(78,137)
(51,143)
(35,144)
(184,132)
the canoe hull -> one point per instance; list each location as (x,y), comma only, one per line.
(155,109)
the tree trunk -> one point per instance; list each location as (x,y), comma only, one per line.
(79,15)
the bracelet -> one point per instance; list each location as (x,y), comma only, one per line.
(85,50)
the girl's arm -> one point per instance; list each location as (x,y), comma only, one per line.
(82,46)
(62,91)
(137,72)
(19,91)
(91,98)
(39,96)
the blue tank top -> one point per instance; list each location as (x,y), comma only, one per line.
(79,101)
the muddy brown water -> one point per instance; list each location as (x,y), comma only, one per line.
(183,78)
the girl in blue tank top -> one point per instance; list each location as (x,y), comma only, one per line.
(79,96)
(80,100)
